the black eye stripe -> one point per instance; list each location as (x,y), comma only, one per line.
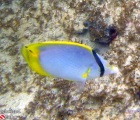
(31,51)
(102,69)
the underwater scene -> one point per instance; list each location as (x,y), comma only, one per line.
(69,60)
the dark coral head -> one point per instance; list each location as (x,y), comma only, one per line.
(111,31)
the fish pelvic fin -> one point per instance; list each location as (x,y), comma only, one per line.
(86,74)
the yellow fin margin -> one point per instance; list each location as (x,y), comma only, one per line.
(41,44)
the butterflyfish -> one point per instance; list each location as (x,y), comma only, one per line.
(66,60)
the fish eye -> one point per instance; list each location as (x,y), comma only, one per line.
(31,51)
(26,47)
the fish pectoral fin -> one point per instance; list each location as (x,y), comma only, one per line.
(86,74)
